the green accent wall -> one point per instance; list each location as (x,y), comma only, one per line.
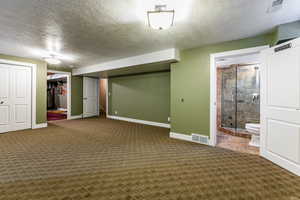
(41,85)
(190,80)
(288,31)
(143,97)
(77,95)
(59,68)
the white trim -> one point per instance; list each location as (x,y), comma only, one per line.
(252,50)
(56,76)
(43,125)
(168,55)
(249,59)
(185,137)
(107,92)
(33,99)
(76,117)
(89,115)
(285,163)
(69,88)
(181,136)
(213,84)
(139,121)
(33,85)
(4,61)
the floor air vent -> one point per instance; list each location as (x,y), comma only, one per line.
(200,139)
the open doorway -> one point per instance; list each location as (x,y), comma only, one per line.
(58,95)
(103,97)
(235,109)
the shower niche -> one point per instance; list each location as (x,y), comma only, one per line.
(238,93)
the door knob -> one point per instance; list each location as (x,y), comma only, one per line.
(2,102)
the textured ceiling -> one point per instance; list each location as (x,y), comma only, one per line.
(87,32)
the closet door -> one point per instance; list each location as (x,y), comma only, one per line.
(21,98)
(15,98)
(5,106)
(90,97)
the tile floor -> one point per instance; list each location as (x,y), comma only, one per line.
(236,143)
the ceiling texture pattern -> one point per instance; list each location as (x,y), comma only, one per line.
(88,32)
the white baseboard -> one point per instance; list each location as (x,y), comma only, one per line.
(43,125)
(181,136)
(184,137)
(75,117)
(89,115)
(139,121)
(284,163)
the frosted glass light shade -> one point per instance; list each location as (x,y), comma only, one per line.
(163,19)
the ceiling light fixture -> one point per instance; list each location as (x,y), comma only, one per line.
(161,18)
(52,60)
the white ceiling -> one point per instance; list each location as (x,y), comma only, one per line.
(88,32)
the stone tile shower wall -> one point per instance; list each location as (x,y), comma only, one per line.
(228,97)
(248,98)
(238,97)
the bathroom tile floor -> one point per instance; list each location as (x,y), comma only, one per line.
(236,143)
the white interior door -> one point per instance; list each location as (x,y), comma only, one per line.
(15,98)
(280,105)
(90,97)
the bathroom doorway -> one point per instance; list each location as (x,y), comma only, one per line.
(238,106)
(235,113)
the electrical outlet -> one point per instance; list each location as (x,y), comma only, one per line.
(169,119)
(116,112)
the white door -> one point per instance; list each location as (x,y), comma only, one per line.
(90,97)
(280,105)
(15,98)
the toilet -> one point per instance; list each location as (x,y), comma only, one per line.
(254,130)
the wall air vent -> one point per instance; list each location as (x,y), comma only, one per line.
(202,139)
(275,5)
(283,47)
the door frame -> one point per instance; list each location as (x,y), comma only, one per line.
(69,93)
(33,88)
(213,83)
(107,94)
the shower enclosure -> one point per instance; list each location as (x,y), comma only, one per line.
(239,97)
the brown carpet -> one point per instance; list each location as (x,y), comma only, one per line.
(111,160)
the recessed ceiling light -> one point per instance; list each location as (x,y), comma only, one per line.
(161,18)
(52,60)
